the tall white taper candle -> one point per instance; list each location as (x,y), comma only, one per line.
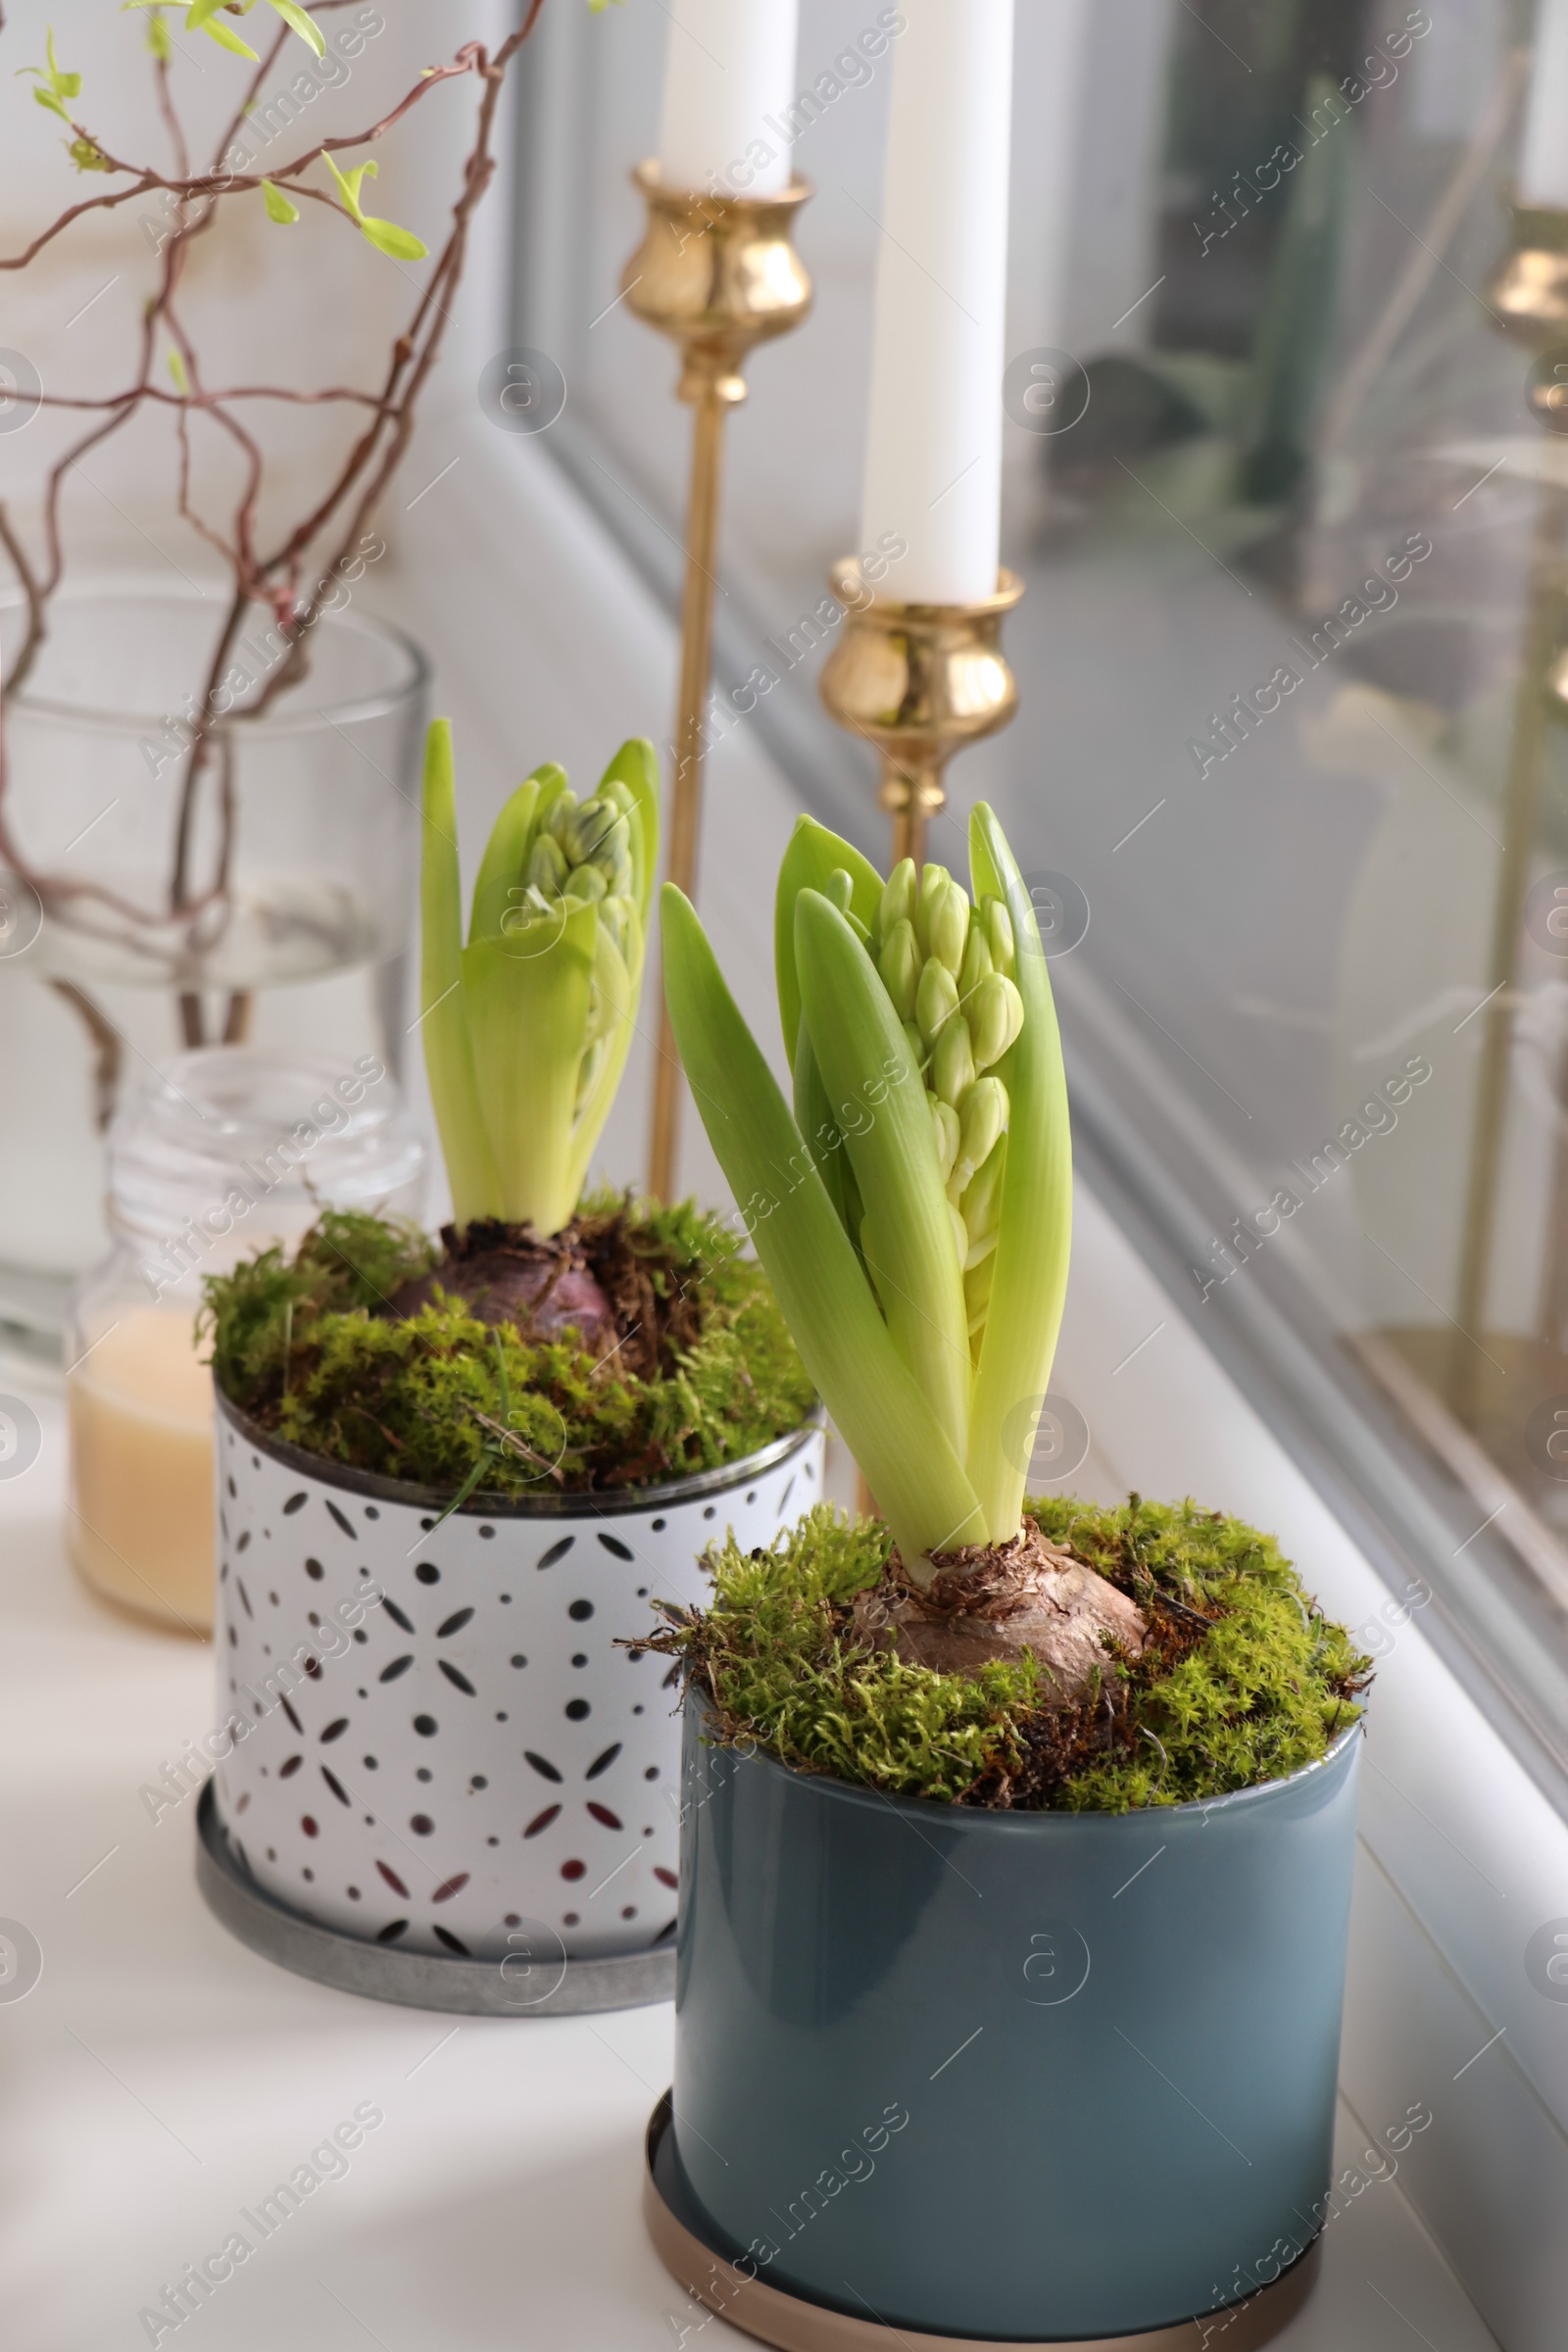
(730,65)
(933,469)
(1544,155)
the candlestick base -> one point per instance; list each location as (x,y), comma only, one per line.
(920,682)
(1528,292)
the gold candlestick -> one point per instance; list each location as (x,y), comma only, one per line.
(1529,295)
(920,682)
(718,275)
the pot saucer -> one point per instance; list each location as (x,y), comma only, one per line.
(794,2323)
(529,1983)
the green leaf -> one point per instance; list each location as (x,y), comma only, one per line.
(218,31)
(295,17)
(636,766)
(528,1018)
(278,207)
(157,40)
(385,235)
(823,1138)
(444,1020)
(825,1298)
(176,369)
(501,869)
(1035,1229)
(812,854)
(401,244)
(878,1100)
(47,98)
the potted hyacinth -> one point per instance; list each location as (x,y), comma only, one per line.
(450,1473)
(1018,1835)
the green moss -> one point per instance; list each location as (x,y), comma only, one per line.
(297,1345)
(1244,1678)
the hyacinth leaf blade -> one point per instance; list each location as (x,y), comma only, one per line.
(528,1014)
(497,890)
(1034,1236)
(823,1138)
(811,860)
(906,1232)
(444,1016)
(636,767)
(821,1288)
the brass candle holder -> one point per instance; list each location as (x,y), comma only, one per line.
(920,682)
(1528,292)
(718,274)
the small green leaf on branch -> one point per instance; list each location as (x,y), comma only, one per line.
(400,244)
(278,207)
(54,87)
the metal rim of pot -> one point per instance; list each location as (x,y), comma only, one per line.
(582,1503)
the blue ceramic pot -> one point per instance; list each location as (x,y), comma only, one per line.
(1008,2074)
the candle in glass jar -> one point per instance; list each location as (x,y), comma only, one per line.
(729,78)
(1544,155)
(142,1461)
(933,473)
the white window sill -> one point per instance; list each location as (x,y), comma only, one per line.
(159,2077)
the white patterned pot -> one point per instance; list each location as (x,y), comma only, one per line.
(434,1740)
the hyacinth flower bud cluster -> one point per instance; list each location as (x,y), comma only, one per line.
(947,967)
(912,1204)
(526,1026)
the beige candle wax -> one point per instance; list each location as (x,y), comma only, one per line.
(141,1451)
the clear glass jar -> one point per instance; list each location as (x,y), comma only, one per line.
(223,1152)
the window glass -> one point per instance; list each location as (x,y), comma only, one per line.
(1290,777)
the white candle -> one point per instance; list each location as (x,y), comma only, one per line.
(729,78)
(1544,156)
(141,1466)
(933,473)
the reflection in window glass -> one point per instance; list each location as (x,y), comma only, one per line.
(1284,480)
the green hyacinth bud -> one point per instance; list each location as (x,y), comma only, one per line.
(982,1121)
(945,1121)
(998,938)
(995,1017)
(619,915)
(585,882)
(546,867)
(900,967)
(900,895)
(841,889)
(596,833)
(563,815)
(976,965)
(953,1062)
(919,1050)
(935,881)
(936,999)
(981,1203)
(949,928)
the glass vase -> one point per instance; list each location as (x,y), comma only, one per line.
(164,884)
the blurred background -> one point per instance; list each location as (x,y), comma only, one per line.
(1287,778)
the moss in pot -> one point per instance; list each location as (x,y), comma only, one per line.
(1129,1734)
(452,1469)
